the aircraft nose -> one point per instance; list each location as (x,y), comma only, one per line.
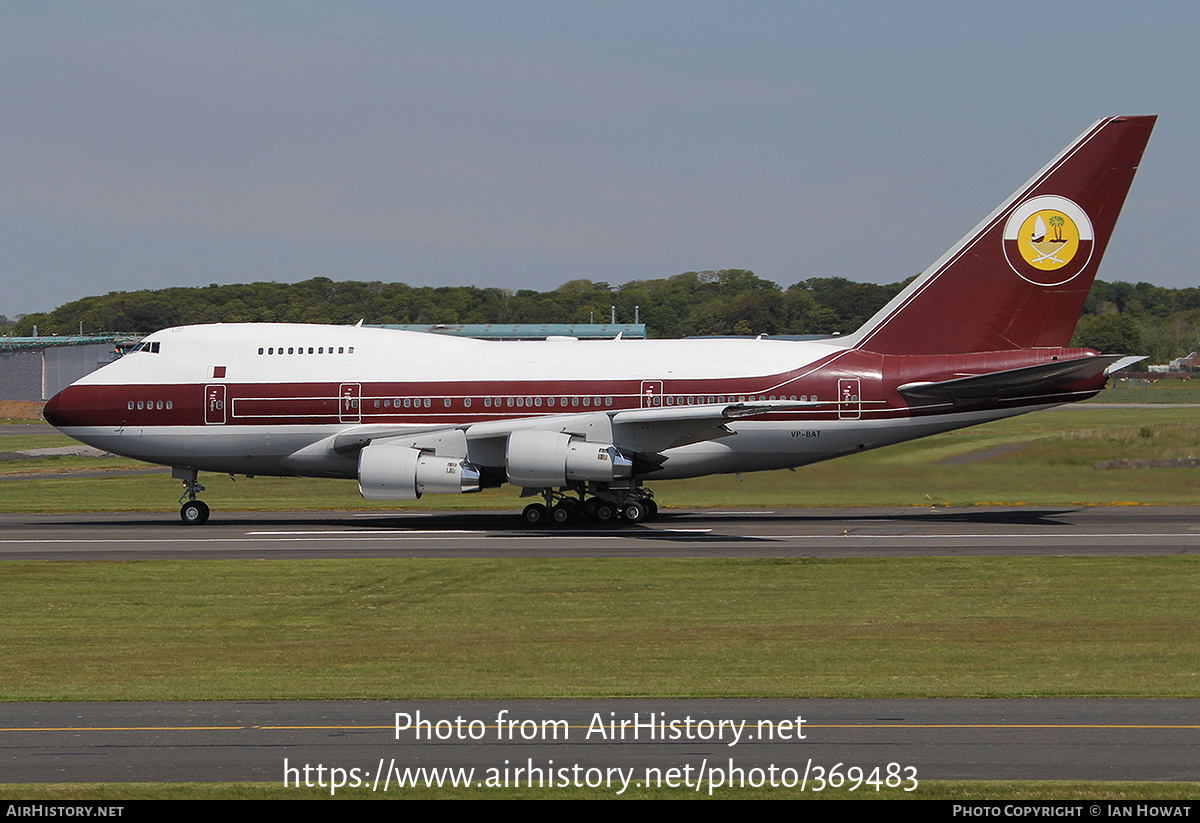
(53,410)
(61,410)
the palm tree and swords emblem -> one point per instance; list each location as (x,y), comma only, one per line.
(1048,239)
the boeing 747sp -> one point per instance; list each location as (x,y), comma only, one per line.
(981,335)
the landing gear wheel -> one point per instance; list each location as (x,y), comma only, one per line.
(194,513)
(589,508)
(562,514)
(634,512)
(651,508)
(535,514)
(606,512)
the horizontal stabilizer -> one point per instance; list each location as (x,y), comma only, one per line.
(1125,362)
(1046,378)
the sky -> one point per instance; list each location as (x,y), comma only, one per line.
(526,144)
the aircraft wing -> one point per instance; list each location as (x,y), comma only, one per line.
(646,430)
(1045,378)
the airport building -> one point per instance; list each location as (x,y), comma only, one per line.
(37,368)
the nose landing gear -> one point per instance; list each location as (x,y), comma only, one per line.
(194,512)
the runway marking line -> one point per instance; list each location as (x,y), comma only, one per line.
(1003,536)
(436,533)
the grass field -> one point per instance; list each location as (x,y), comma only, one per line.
(410,628)
(1167,390)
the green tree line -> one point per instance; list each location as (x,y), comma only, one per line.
(1118,317)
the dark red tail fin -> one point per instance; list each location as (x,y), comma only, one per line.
(1020,278)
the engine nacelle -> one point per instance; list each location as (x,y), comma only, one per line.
(388,472)
(543,459)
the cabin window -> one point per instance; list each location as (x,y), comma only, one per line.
(487,402)
(428,402)
(574,401)
(608,401)
(376,404)
(140,405)
(350,350)
(537,401)
(467,402)
(260,349)
(131,405)
(168,404)
(446,402)
(549,401)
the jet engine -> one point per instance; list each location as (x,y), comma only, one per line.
(544,459)
(393,472)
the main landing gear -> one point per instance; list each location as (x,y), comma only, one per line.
(606,506)
(194,512)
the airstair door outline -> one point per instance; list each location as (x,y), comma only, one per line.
(652,393)
(349,407)
(214,405)
(849,399)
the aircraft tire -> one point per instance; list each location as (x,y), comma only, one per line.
(562,514)
(194,513)
(606,512)
(635,512)
(535,514)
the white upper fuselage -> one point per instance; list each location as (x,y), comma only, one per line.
(302,353)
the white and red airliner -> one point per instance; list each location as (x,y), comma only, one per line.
(980,335)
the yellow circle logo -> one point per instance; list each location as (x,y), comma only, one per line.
(1048,240)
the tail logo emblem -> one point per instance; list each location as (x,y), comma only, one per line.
(1048,240)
